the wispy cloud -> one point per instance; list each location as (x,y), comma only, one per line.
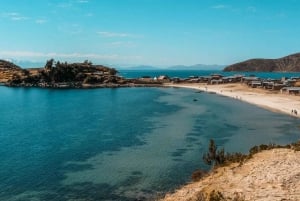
(69,56)
(65,5)
(14,16)
(40,21)
(71,3)
(107,34)
(127,44)
(221,6)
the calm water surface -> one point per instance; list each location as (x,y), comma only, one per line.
(120,144)
(187,73)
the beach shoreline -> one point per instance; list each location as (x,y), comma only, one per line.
(270,100)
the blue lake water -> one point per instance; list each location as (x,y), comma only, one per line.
(120,144)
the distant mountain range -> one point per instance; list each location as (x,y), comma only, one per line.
(290,63)
(197,67)
(177,67)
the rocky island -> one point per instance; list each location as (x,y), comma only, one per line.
(56,74)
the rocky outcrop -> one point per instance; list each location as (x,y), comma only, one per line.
(289,63)
(58,74)
(62,74)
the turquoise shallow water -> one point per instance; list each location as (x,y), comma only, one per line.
(120,144)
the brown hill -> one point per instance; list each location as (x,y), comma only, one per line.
(8,70)
(6,65)
(289,63)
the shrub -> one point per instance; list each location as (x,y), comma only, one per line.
(198,174)
(216,196)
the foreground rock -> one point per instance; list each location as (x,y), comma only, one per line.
(289,63)
(269,176)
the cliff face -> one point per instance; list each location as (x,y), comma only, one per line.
(289,63)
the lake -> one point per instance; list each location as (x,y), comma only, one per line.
(120,144)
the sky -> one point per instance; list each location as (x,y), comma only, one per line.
(149,32)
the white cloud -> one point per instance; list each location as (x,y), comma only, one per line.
(107,34)
(15,16)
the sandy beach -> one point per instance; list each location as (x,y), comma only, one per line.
(271,100)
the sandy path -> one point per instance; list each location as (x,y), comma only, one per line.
(270,100)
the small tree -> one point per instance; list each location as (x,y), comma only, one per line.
(49,64)
(214,156)
(210,156)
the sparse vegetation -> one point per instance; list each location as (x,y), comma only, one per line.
(217,157)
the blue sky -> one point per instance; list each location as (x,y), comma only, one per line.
(150,32)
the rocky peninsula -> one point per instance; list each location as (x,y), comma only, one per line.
(56,74)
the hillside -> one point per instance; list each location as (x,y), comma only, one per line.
(271,175)
(8,70)
(289,63)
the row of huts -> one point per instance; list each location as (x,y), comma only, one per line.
(285,85)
